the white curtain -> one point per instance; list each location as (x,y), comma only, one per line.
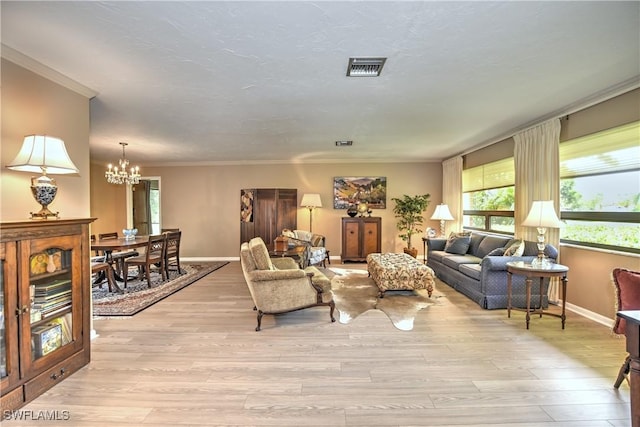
(537,167)
(452,192)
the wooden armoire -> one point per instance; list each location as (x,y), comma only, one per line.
(273,209)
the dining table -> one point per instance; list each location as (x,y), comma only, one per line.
(108,246)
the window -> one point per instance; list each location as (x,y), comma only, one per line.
(488,196)
(600,189)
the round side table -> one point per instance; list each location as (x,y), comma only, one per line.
(526,269)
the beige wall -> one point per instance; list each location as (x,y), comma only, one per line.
(590,285)
(32,104)
(203,201)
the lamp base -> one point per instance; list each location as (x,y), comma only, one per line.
(44,190)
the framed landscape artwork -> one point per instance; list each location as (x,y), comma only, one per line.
(350,190)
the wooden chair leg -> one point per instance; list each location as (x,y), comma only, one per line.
(624,371)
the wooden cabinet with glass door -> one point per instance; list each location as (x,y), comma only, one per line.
(44,329)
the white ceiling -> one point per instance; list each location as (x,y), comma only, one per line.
(239,81)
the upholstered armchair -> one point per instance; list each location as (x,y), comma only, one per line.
(278,285)
(317,252)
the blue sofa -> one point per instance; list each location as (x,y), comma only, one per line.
(482,276)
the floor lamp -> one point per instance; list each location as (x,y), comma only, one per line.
(443,214)
(311,201)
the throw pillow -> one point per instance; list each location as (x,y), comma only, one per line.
(516,248)
(627,286)
(458,243)
(496,252)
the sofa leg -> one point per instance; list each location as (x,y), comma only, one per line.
(260,313)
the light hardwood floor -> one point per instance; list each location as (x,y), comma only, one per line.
(195,359)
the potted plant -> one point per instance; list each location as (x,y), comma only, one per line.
(408,210)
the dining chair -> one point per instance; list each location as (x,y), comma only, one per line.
(101,267)
(154,256)
(172,251)
(119,256)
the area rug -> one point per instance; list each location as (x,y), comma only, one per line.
(355,293)
(139,296)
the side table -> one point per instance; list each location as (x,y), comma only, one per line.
(298,253)
(526,269)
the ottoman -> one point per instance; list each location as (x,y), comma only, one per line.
(392,271)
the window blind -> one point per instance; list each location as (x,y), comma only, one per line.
(610,151)
(498,174)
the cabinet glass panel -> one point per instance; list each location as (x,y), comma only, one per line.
(51,301)
(3,325)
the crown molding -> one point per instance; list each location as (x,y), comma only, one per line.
(39,68)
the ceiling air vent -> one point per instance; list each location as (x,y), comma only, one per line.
(365,67)
(344,143)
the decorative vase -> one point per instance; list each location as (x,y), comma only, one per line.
(352,211)
(363,208)
(51,264)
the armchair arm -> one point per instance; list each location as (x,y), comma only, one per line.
(271,275)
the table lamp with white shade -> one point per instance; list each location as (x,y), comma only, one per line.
(443,214)
(46,155)
(542,216)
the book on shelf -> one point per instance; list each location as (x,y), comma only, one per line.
(52,286)
(46,338)
(43,300)
(65,323)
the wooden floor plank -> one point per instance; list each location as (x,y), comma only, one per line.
(194,359)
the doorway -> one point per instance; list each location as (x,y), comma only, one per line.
(146,206)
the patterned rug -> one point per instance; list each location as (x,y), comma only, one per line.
(355,293)
(139,296)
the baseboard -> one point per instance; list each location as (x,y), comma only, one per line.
(598,318)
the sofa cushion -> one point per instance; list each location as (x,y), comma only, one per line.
(438,255)
(471,270)
(515,248)
(476,240)
(490,243)
(458,243)
(260,254)
(454,261)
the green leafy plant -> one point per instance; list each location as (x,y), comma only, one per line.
(408,210)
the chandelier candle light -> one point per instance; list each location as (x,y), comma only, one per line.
(542,215)
(43,154)
(311,201)
(442,213)
(120,175)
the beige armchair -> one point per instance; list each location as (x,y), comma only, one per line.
(278,285)
(316,251)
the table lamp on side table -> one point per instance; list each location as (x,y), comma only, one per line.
(541,216)
(442,213)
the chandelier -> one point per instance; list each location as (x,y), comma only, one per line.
(119,175)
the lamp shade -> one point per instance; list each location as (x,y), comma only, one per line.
(542,214)
(43,153)
(442,212)
(311,200)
